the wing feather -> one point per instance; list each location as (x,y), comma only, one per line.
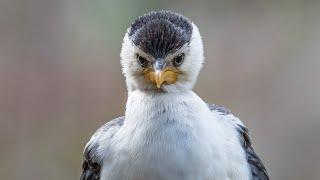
(256,166)
(92,158)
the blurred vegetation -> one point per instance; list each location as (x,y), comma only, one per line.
(60,78)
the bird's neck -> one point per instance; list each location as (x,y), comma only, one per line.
(145,101)
(154,107)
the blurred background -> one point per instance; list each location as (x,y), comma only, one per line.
(60,78)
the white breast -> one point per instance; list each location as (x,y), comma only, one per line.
(176,137)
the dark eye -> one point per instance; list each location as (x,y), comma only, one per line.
(178,60)
(142,61)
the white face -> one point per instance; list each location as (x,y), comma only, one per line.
(188,69)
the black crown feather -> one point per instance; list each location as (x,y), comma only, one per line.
(160,32)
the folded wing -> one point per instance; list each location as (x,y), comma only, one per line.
(256,166)
(96,149)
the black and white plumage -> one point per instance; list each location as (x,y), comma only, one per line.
(168,132)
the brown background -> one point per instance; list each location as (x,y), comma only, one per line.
(60,78)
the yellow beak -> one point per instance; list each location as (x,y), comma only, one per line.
(169,75)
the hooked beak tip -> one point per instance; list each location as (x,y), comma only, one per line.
(159,78)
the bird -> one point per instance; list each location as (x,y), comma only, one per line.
(167,131)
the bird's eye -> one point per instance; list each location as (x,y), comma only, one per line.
(178,60)
(143,62)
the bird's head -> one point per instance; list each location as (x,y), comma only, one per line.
(162,51)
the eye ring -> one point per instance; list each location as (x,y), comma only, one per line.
(143,62)
(178,60)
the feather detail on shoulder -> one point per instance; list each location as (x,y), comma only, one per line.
(92,155)
(256,166)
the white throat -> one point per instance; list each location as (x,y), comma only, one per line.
(156,106)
